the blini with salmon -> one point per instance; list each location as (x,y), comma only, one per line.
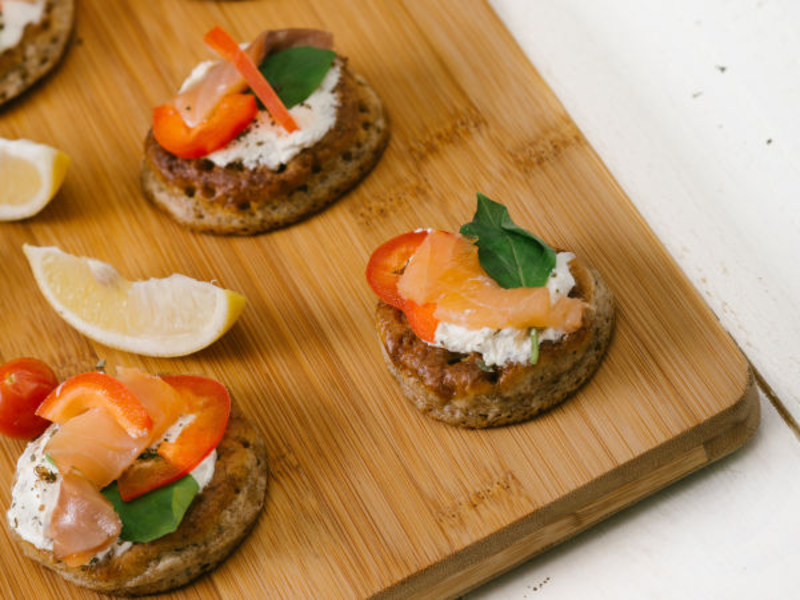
(215,524)
(460,390)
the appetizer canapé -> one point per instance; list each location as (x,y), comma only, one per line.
(263,137)
(140,484)
(490,326)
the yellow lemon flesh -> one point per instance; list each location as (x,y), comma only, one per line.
(30,175)
(173,316)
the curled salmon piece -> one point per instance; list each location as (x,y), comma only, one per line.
(83,522)
(103,426)
(162,402)
(445,271)
(96,446)
(198,100)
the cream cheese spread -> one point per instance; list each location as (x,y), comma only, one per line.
(36,489)
(15,16)
(509,345)
(268,144)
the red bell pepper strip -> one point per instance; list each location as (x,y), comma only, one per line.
(224,45)
(94,389)
(210,404)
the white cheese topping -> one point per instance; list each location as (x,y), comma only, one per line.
(35,491)
(266,143)
(15,17)
(561,280)
(497,346)
(204,472)
(33,498)
(508,345)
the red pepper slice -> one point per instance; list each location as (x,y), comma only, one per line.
(228,119)
(94,389)
(421,320)
(210,404)
(223,44)
(384,269)
(386,265)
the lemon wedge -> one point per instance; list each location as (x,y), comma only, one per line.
(30,175)
(174,316)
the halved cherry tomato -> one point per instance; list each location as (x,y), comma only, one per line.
(230,117)
(210,404)
(421,320)
(94,389)
(24,383)
(384,269)
(386,265)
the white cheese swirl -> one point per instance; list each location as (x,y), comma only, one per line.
(268,144)
(509,345)
(38,483)
(15,17)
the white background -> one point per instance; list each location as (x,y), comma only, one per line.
(695,109)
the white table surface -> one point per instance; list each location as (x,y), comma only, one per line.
(694,106)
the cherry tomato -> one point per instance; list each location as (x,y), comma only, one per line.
(384,270)
(230,117)
(386,265)
(421,319)
(24,383)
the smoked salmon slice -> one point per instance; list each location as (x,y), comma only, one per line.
(162,402)
(197,101)
(446,271)
(83,522)
(96,446)
(105,423)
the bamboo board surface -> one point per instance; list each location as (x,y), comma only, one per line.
(366,495)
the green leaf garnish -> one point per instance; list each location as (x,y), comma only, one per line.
(295,73)
(534,346)
(483,366)
(49,459)
(510,255)
(156,513)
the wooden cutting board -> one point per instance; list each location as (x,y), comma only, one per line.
(368,497)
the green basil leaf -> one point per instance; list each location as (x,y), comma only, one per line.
(512,256)
(483,366)
(154,514)
(534,346)
(295,73)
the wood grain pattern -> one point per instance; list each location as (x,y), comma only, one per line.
(367,496)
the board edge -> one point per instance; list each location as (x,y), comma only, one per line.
(601,498)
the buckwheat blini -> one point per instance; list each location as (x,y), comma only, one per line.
(490,327)
(220,161)
(142,483)
(33,37)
